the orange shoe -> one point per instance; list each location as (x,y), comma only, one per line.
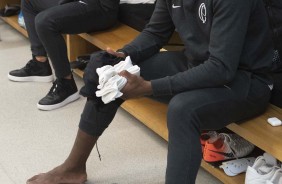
(207,136)
(227,146)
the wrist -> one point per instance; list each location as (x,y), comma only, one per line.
(147,88)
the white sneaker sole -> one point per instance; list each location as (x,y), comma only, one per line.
(49,78)
(68,100)
(237,166)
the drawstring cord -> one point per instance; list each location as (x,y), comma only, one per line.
(98,151)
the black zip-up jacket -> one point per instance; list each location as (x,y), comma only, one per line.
(220,38)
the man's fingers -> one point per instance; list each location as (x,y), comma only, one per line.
(125,74)
(110,51)
(117,54)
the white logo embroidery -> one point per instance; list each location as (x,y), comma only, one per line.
(203,13)
(173,6)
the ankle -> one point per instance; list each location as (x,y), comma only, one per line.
(69,77)
(41,58)
(70,167)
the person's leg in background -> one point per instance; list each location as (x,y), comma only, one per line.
(38,68)
(71,18)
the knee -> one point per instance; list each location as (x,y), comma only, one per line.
(88,121)
(96,116)
(181,114)
(43,23)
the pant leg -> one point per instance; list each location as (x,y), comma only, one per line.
(97,116)
(195,110)
(71,18)
(30,9)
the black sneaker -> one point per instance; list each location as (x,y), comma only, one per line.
(33,71)
(62,92)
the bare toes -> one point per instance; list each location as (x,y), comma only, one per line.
(33,178)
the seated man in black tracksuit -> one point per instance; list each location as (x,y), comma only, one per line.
(221,77)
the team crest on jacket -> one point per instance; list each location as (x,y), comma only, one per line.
(203,13)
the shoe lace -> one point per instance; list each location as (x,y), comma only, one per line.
(238,145)
(56,87)
(29,64)
(210,136)
(229,141)
(213,136)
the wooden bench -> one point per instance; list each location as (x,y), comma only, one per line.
(153,113)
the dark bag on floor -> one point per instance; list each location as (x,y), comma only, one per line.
(80,62)
(10,10)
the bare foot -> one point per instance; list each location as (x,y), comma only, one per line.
(59,175)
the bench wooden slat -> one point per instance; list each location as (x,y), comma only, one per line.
(262,134)
(4,2)
(115,37)
(149,112)
(13,21)
(218,173)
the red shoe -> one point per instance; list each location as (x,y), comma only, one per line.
(210,136)
(226,147)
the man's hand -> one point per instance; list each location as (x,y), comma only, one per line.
(135,87)
(114,53)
